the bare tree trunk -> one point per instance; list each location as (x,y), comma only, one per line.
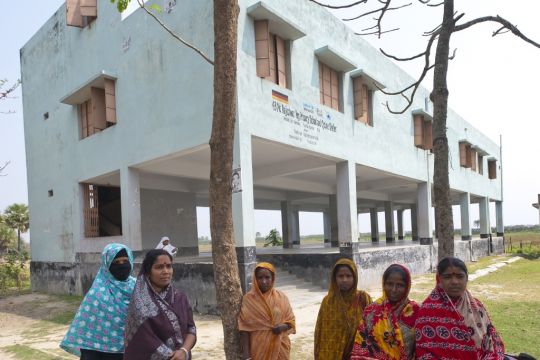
(227,280)
(19,240)
(444,225)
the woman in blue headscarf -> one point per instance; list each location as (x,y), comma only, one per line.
(97,331)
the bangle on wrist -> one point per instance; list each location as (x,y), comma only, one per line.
(186,351)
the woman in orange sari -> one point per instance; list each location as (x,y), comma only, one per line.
(340,313)
(266,318)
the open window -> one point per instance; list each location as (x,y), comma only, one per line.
(101,211)
(273,34)
(423,129)
(364,86)
(465,154)
(480,164)
(96,104)
(80,13)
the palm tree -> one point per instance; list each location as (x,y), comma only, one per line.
(16,217)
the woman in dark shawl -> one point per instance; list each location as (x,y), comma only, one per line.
(160,321)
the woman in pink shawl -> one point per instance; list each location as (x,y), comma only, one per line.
(160,321)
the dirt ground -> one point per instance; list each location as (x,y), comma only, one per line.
(32,325)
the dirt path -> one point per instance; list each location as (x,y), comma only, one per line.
(34,323)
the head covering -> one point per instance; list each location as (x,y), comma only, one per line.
(157,323)
(458,329)
(169,247)
(99,323)
(339,315)
(387,330)
(260,312)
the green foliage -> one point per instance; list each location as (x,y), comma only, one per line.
(14,273)
(8,237)
(122,5)
(16,216)
(273,239)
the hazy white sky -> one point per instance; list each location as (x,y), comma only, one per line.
(493,82)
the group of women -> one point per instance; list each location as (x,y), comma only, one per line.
(146,318)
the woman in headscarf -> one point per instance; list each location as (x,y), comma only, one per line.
(97,331)
(165,243)
(340,313)
(266,318)
(452,324)
(387,332)
(160,322)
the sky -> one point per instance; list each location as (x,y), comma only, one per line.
(494,84)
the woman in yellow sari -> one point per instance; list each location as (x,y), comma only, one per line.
(340,313)
(266,318)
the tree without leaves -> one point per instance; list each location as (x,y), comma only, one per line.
(226,275)
(444,227)
(16,217)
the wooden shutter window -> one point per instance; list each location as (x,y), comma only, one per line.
(262,48)
(492,169)
(334,89)
(281,62)
(329,85)
(480,164)
(419,131)
(91,210)
(428,135)
(110,101)
(357,97)
(85,116)
(473,159)
(74,16)
(89,8)
(98,109)
(463,154)
(468,162)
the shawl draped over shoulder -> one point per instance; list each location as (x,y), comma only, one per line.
(339,316)
(99,322)
(387,332)
(260,313)
(157,323)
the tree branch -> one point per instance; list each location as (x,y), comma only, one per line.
(174,35)
(4,93)
(340,6)
(505,24)
(3,167)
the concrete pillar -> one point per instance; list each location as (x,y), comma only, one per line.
(334,241)
(130,197)
(499,215)
(296,228)
(287,224)
(327,228)
(414,222)
(374,220)
(483,209)
(425,225)
(464,206)
(401,235)
(389,221)
(346,208)
(243,212)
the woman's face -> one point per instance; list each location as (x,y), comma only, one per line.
(395,287)
(265,281)
(344,278)
(161,273)
(453,281)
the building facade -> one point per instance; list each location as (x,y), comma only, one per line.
(118,116)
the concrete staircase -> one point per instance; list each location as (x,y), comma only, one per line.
(300,292)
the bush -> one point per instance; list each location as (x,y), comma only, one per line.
(13,272)
(273,239)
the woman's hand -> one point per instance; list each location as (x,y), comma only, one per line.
(179,355)
(280,328)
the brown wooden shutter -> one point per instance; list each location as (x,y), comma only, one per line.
(463,154)
(326,85)
(99,121)
(468,162)
(89,8)
(83,117)
(73,13)
(473,159)
(334,89)
(480,164)
(357,97)
(110,101)
(321,82)
(91,210)
(428,135)
(419,131)
(262,48)
(281,62)
(492,169)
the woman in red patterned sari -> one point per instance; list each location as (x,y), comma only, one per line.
(453,325)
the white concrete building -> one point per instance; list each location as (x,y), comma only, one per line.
(118,117)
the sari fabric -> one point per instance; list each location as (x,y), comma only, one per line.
(260,313)
(99,322)
(458,330)
(387,332)
(339,316)
(157,323)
